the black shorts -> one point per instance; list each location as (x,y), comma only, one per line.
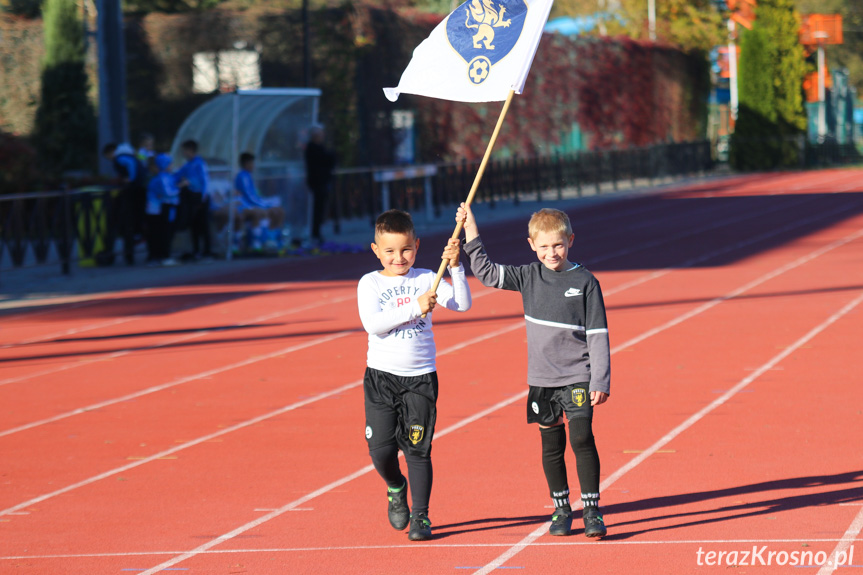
(400,410)
(545,405)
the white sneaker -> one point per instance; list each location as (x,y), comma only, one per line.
(170,262)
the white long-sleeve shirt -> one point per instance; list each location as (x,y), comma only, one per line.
(401,341)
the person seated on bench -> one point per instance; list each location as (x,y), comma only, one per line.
(264,217)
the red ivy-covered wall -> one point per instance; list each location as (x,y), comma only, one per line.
(620,92)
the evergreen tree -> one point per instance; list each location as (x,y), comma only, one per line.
(771,114)
(65,132)
(752,145)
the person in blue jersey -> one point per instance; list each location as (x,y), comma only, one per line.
(146,148)
(568,355)
(193,180)
(264,216)
(163,198)
(129,203)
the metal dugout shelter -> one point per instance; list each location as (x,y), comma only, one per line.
(271,123)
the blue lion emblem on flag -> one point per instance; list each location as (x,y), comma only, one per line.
(489,31)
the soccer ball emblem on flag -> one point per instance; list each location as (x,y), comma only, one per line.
(486,34)
(479,53)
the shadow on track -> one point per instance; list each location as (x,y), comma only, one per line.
(850,494)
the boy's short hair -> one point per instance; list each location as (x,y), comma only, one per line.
(109,149)
(394,222)
(550,221)
(246,157)
(190,145)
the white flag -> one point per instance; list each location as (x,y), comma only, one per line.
(480,52)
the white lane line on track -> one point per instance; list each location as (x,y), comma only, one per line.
(247,423)
(848,538)
(754,283)
(71,331)
(332,486)
(647,277)
(736,246)
(322,491)
(617,289)
(187,337)
(427,544)
(197,376)
(689,422)
(541,530)
(458,346)
(726,222)
(180,381)
(119,296)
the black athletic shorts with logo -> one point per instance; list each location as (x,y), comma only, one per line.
(546,404)
(400,410)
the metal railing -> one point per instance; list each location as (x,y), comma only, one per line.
(360,193)
(82,226)
(58,227)
(830,153)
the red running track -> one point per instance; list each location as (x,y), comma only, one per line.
(218,427)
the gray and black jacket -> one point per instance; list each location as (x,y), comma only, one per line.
(567,331)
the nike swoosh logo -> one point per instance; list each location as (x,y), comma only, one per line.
(572,292)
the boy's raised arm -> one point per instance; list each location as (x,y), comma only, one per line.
(465,216)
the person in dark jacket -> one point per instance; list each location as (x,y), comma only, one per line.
(319,173)
(130,203)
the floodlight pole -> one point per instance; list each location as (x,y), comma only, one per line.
(651,19)
(732,70)
(822,89)
(307,60)
(235,133)
(113,121)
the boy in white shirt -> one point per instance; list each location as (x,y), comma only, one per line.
(400,384)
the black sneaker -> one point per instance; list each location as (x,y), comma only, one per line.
(420,527)
(594,524)
(398,510)
(561,522)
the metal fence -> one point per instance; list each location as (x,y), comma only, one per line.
(58,227)
(82,226)
(830,153)
(361,194)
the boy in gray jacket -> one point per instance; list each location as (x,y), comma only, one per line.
(568,355)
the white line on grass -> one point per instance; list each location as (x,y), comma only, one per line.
(537,533)
(692,420)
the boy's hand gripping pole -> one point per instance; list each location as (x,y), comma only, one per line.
(475,186)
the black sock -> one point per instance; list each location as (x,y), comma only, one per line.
(386,462)
(586,460)
(421,475)
(553,449)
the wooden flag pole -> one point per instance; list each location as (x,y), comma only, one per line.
(476,180)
